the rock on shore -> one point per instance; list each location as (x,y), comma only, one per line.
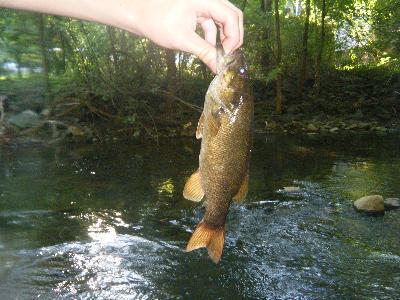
(25,119)
(370,204)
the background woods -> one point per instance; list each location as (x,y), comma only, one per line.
(315,65)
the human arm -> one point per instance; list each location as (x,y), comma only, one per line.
(168,23)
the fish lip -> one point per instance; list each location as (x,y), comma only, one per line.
(225,61)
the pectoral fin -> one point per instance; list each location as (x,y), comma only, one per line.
(241,194)
(214,123)
(193,190)
(200,127)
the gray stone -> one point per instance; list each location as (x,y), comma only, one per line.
(391,203)
(271,125)
(364,125)
(370,204)
(312,127)
(45,112)
(26,119)
(353,126)
(380,129)
(291,189)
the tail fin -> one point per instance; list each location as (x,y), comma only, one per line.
(211,238)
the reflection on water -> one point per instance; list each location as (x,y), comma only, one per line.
(109,222)
(166,188)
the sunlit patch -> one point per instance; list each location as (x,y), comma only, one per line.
(100,220)
(102,270)
(166,187)
(102,232)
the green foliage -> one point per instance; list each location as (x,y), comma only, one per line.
(386,25)
(18,39)
(129,79)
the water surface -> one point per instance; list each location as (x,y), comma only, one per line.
(109,222)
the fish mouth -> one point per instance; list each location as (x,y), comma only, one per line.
(229,60)
(234,58)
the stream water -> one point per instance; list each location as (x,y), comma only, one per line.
(109,222)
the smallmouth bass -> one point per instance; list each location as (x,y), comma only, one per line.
(225,127)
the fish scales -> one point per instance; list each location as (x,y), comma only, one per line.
(226,131)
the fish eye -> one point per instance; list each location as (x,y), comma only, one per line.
(242,71)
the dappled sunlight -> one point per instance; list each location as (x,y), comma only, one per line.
(99,231)
(166,187)
(127,240)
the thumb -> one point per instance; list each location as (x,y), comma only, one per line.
(206,52)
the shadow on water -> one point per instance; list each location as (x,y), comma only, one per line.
(109,222)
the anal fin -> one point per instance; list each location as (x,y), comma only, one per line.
(193,190)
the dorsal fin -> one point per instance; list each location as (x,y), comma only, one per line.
(244,187)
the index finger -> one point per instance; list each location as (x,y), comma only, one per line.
(241,26)
(229,20)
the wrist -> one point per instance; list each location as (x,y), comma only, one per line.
(119,13)
(125,14)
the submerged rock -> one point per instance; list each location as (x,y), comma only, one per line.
(391,203)
(26,119)
(370,204)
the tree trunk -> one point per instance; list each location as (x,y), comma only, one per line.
(18,59)
(266,5)
(303,65)
(278,100)
(171,77)
(63,53)
(317,85)
(44,51)
(113,53)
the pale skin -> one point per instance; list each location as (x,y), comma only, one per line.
(168,23)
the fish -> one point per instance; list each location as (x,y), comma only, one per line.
(225,129)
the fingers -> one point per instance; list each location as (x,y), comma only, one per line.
(210,31)
(240,14)
(230,20)
(210,13)
(203,49)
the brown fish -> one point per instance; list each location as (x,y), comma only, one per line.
(225,128)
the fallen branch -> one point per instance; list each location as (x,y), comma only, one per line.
(102,114)
(171,96)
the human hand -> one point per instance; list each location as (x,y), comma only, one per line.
(172,24)
(168,23)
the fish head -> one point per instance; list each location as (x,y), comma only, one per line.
(230,86)
(232,69)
